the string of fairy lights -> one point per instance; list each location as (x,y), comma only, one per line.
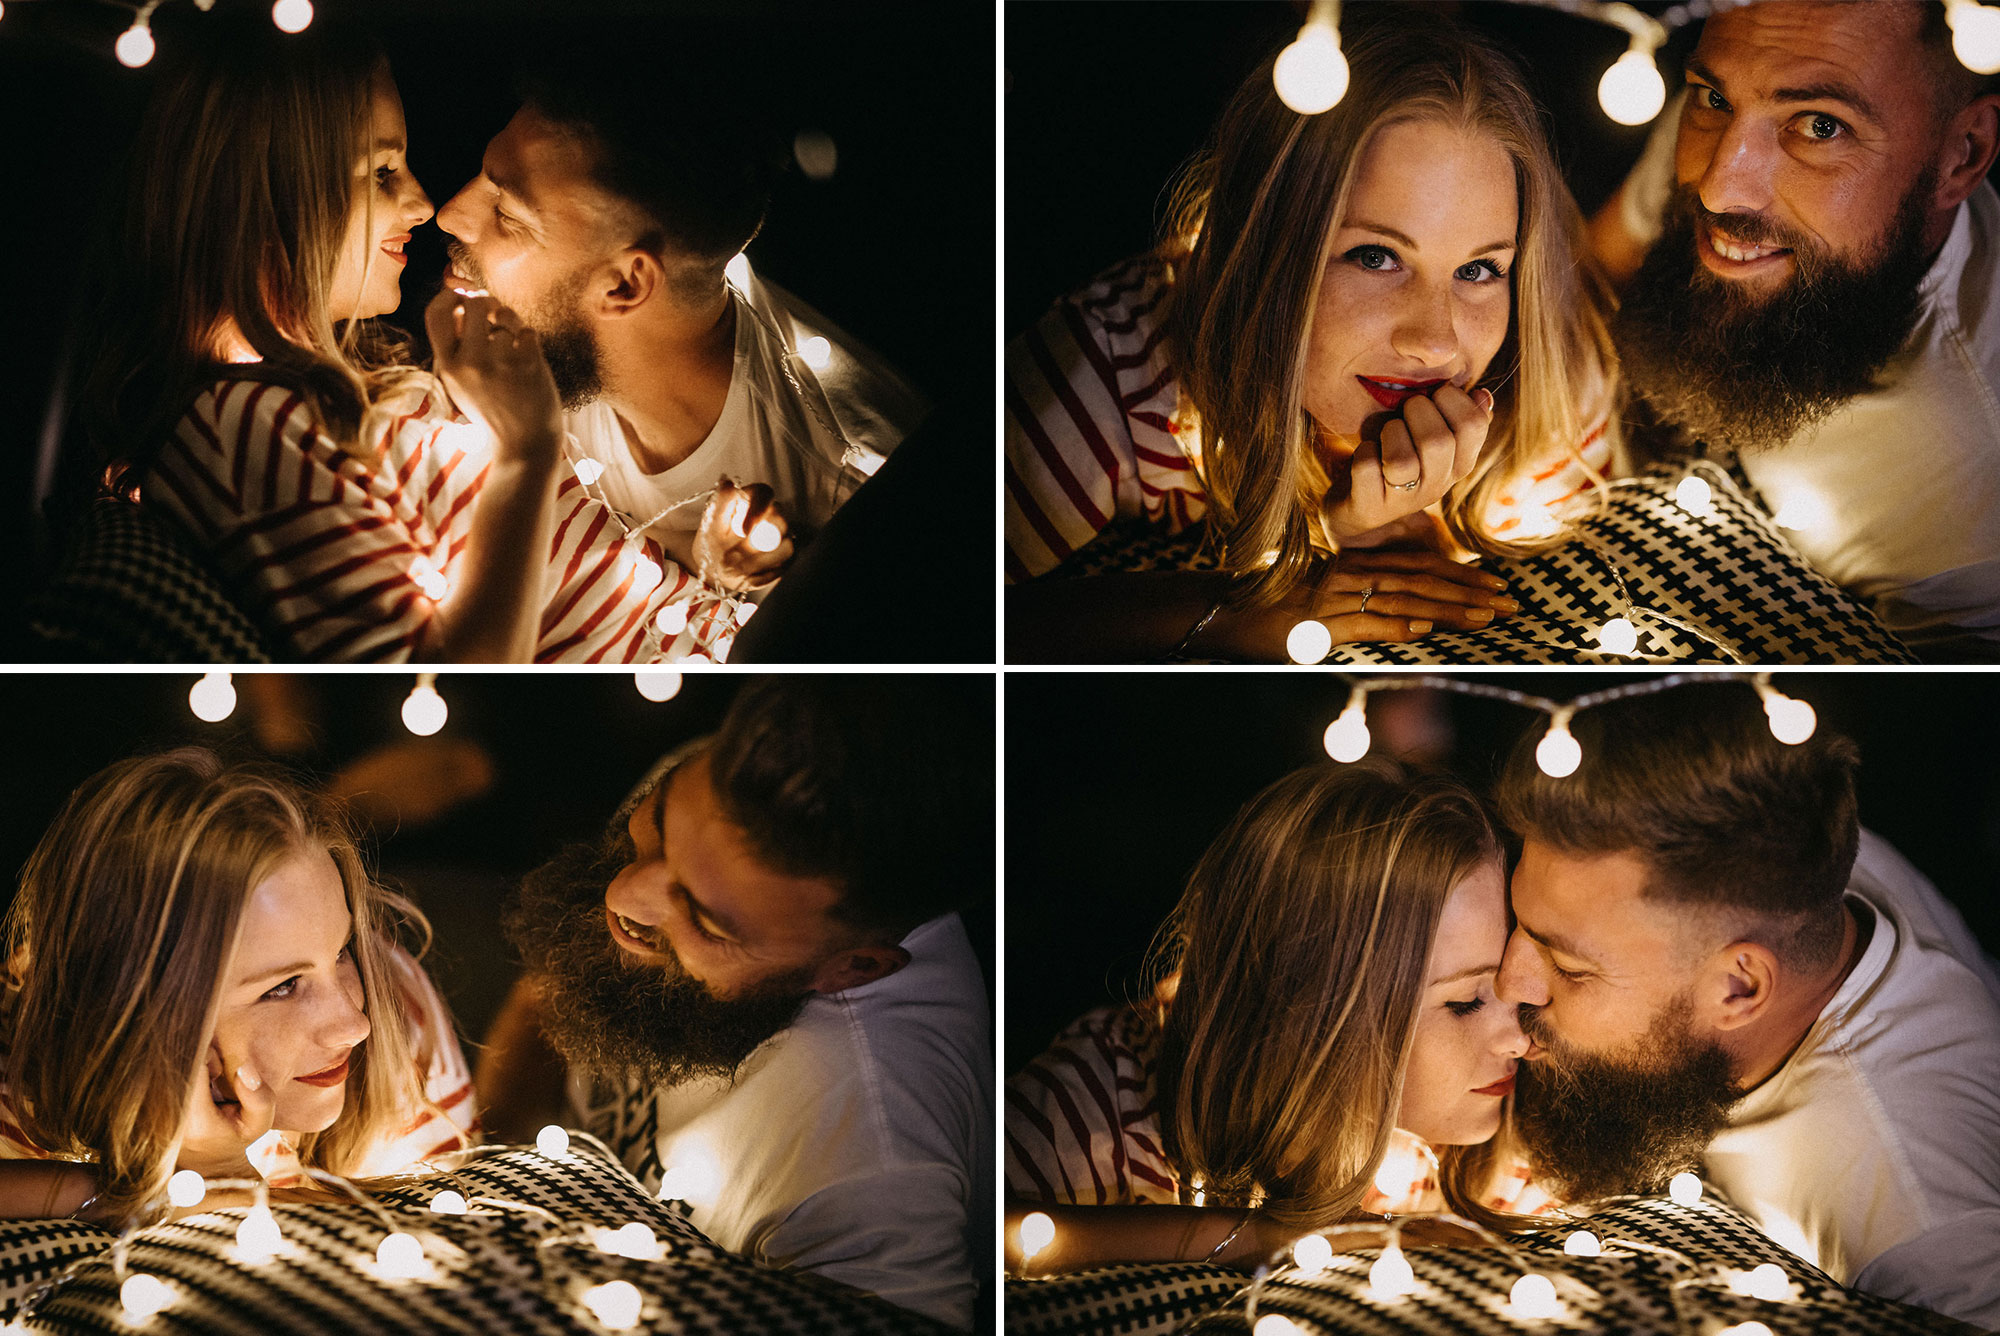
(213,697)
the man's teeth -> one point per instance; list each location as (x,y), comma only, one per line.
(1731,250)
(636,930)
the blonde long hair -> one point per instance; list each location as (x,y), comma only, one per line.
(126,917)
(234,211)
(1250,231)
(1291,975)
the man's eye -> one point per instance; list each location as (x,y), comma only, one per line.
(1819,125)
(1711,99)
(1571,975)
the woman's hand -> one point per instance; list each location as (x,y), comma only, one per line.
(229,1107)
(1392,595)
(743,541)
(492,363)
(1433,444)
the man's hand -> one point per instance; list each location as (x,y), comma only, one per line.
(1408,594)
(1433,444)
(229,1107)
(743,542)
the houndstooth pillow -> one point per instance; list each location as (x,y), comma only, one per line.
(518,1261)
(1725,588)
(131,590)
(1630,1288)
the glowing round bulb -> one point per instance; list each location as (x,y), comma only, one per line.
(1685,1188)
(764,536)
(1311,73)
(1038,1231)
(1312,1254)
(1558,754)
(292,15)
(259,1237)
(187,1188)
(424,711)
(449,1202)
(135,46)
(1618,636)
(1276,1324)
(1792,721)
(635,1241)
(1745,1329)
(587,471)
(1391,1276)
(1309,641)
(1632,91)
(1534,1296)
(3,9)
(1583,1243)
(552,1141)
(1975,36)
(646,574)
(1695,496)
(1347,737)
(213,699)
(400,1255)
(616,1304)
(658,683)
(143,1296)
(737,272)
(672,619)
(1769,1281)
(720,649)
(816,153)
(817,352)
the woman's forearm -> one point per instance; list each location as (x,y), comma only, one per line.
(44,1189)
(495,613)
(1093,1236)
(1127,618)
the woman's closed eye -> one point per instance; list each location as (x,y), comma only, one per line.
(1465,1008)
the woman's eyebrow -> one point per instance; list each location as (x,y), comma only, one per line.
(1405,239)
(1468,973)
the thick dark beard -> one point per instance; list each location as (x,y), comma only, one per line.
(1598,1125)
(1751,375)
(607,1014)
(568,345)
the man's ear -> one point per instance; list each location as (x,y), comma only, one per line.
(636,278)
(1971,143)
(1742,983)
(858,965)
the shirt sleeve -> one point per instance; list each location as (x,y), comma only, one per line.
(913,1255)
(1086,441)
(1949,1270)
(1081,1126)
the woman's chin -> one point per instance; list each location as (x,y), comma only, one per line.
(315,1114)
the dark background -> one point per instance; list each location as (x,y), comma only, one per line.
(1117,782)
(897,247)
(563,751)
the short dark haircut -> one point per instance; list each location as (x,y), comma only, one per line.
(1726,817)
(695,154)
(881,783)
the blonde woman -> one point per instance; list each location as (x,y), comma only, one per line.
(197,958)
(1325,994)
(1364,353)
(243,391)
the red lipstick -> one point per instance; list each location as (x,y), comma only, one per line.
(332,1076)
(1395,391)
(1504,1086)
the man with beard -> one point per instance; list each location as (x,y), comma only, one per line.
(707,406)
(1720,970)
(1824,299)
(757,991)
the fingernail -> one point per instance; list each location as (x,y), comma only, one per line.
(1507,604)
(1485,398)
(1480,615)
(1418,628)
(249,1078)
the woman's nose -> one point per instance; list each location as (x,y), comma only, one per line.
(417,208)
(1427,333)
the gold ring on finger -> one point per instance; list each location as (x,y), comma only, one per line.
(1402,486)
(1366,594)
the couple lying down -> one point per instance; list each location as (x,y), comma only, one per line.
(1700,962)
(742,976)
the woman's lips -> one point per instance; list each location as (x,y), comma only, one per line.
(393,248)
(1393,391)
(1504,1086)
(332,1076)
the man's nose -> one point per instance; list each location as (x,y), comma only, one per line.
(1520,979)
(1740,171)
(456,217)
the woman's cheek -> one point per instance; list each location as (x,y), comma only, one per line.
(1486,329)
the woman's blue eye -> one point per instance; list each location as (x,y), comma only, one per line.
(1481,271)
(279,992)
(1377,258)
(1465,1008)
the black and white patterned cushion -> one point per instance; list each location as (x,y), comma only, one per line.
(517,1262)
(131,589)
(1727,588)
(1465,1291)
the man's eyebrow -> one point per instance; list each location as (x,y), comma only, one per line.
(1468,973)
(1555,941)
(1405,239)
(1826,90)
(695,905)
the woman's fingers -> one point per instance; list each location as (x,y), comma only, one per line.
(1402,462)
(1467,417)
(1357,627)
(441,323)
(1420,561)
(1340,593)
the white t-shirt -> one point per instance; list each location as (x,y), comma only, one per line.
(857,1143)
(1898,492)
(1874,1152)
(769,431)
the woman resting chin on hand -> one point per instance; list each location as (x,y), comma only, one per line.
(197,959)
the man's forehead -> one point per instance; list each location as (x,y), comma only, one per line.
(1779,44)
(1572,900)
(538,162)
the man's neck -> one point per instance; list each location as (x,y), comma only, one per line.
(1761,1055)
(667,381)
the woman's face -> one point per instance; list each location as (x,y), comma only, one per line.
(1417,290)
(292,1005)
(387,203)
(1468,1041)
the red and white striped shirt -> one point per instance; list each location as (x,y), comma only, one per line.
(1096,431)
(1083,1128)
(347,561)
(449,1122)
